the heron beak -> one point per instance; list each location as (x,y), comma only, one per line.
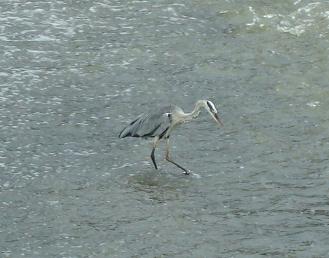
(218,120)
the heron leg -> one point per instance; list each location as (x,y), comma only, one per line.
(155,143)
(173,162)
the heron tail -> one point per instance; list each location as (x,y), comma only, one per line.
(125,132)
(130,129)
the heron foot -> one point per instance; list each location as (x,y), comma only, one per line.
(187,172)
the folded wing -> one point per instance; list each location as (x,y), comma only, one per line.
(149,125)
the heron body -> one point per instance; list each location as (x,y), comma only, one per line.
(159,124)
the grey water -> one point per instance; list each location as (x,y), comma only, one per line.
(74,73)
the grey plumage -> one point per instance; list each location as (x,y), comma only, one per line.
(154,124)
(160,123)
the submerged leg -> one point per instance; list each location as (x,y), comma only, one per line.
(155,143)
(173,162)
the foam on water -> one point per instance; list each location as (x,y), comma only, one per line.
(195,175)
(303,19)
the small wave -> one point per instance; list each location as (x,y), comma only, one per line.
(195,175)
(313,17)
(44,38)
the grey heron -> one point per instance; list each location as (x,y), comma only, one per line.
(160,123)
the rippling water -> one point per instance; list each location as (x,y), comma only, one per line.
(73,73)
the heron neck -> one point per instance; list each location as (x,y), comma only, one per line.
(194,114)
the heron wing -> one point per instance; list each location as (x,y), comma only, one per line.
(149,125)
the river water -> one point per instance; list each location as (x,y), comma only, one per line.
(74,73)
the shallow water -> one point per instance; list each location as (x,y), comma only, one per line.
(74,73)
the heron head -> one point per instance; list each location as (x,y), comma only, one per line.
(210,107)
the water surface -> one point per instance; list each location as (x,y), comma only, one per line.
(74,73)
